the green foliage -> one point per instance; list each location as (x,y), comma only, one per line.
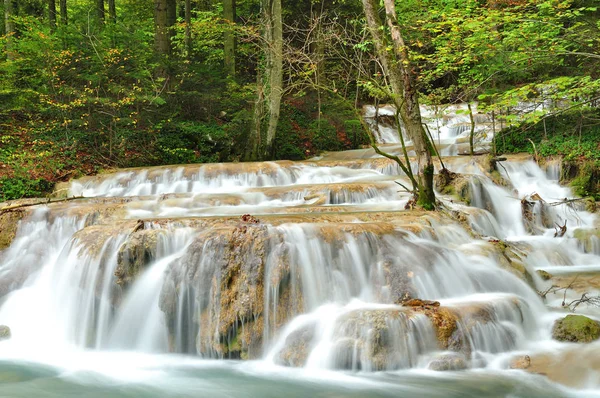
(21,187)
(190,142)
(573,135)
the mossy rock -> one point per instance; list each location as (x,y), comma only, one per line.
(546,276)
(577,329)
(586,236)
(4,332)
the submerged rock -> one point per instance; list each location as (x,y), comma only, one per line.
(4,332)
(446,362)
(577,329)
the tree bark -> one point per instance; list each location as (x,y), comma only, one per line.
(112,11)
(229,37)
(188,26)
(63,12)
(398,69)
(9,27)
(52,14)
(269,84)
(100,11)
(171,17)
(161,35)
(274,67)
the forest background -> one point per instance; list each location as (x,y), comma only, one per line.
(91,85)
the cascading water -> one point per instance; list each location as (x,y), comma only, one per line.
(312,270)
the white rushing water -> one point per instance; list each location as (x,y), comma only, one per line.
(315,284)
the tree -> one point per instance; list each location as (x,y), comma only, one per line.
(9,27)
(63,12)
(229,37)
(269,84)
(100,11)
(112,11)
(188,26)
(161,29)
(397,66)
(52,14)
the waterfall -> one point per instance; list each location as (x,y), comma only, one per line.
(309,264)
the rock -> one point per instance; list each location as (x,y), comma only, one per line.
(9,222)
(137,253)
(523,362)
(4,332)
(546,276)
(577,329)
(420,303)
(446,362)
(297,347)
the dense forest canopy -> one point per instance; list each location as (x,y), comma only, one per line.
(94,84)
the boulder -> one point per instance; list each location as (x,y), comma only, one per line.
(576,329)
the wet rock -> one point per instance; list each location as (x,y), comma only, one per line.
(576,329)
(225,266)
(522,362)
(137,253)
(297,347)
(448,362)
(4,332)
(374,340)
(546,276)
(9,222)
(420,303)
(588,238)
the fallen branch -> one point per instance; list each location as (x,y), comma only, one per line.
(14,207)
(560,230)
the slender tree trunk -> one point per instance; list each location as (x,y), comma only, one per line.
(274,36)
(161,35)
(100,10)
(171,17)
(472,133)
(397,67)
(229,37)
(112,11)
(188,26)
(9,27)
(52,14)
(63,12)
(269,84)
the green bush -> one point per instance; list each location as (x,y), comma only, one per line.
(18,187)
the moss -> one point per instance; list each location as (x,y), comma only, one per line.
(576,328)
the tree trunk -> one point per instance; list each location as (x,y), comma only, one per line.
(229,37)
(269,84)
(112,11)
(398,69)
(472,133)
(9,27)
(188,26)
(63,12)
(171,17)
(161,35)
(274,67)
(52,14)
(100,10)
